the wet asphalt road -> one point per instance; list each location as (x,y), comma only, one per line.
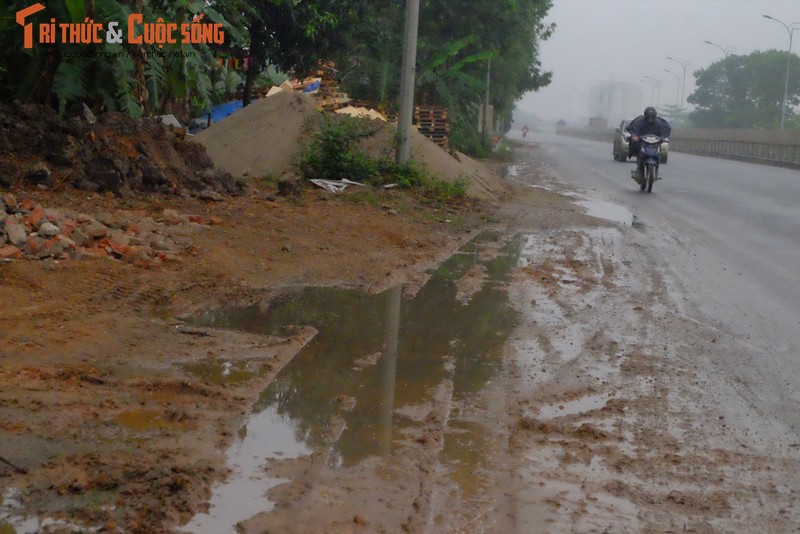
(729,236)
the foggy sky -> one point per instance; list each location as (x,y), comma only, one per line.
(626,40)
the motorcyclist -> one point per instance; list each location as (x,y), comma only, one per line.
(647,123)
(524,130)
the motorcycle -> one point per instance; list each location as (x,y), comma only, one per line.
(647,161)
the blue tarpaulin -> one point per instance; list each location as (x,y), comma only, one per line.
(313,87)
(225,110)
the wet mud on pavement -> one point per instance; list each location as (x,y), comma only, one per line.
(365,385)
(546,378)
(622,419)
(541,381)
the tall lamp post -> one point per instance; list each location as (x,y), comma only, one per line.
(727,50)
(652,88)
(677,85)
(790,30)
(683,65)
(657,85)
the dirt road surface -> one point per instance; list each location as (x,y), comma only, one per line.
(599,412)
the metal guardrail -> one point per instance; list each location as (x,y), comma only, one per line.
(770,147)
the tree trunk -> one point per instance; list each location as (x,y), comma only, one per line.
(256,61)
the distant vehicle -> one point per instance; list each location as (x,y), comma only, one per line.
(621,141)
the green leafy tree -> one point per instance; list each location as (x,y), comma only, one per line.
(457,41)
(745,91)
(294,35)
(370,56)
(137,79)
(505,36)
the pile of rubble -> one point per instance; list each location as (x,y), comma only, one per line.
(27,230)
(112,152)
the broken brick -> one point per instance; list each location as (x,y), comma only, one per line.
(10,252)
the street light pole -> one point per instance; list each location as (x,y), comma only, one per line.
(683,65)
(656,85)
(790,30)
(652,88)
(677,85)
(727,50)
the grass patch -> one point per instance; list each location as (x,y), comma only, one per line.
(362,198)
(333,154)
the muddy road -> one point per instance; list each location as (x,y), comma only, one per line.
(578,378)
(587,359)
(674,336)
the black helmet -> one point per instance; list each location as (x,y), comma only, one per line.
(650,113)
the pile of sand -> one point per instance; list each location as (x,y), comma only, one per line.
(262,139)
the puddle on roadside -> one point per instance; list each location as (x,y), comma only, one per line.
(603,209)
(465,452)
(421,342)
(510,172)
(267,435)
(607,210)
(146,420)
(11,523)
(221,371)
(578,406)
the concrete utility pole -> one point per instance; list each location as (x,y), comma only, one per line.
(408,78)
(486,128)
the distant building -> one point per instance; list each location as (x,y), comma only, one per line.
(598,122)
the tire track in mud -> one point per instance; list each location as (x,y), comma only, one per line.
(613,427)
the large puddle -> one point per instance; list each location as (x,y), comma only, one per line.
(353,390)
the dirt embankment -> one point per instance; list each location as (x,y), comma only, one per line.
(114,153)
(262,139)
(100,423)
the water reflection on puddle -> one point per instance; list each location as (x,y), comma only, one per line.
(221,371)
(607,210)
(374,356)
(510,172)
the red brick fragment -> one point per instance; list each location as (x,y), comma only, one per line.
(10,252)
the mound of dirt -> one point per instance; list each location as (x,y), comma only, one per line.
(113,153)
(263,138)
(484,183)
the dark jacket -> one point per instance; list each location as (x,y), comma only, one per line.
(640,127)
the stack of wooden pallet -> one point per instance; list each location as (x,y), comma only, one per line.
(329,98)
(432,122)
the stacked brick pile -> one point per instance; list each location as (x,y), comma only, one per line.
(30,231)
(432,122)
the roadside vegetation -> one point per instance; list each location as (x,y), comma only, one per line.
(466,49)
(334,154)
(740,91)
